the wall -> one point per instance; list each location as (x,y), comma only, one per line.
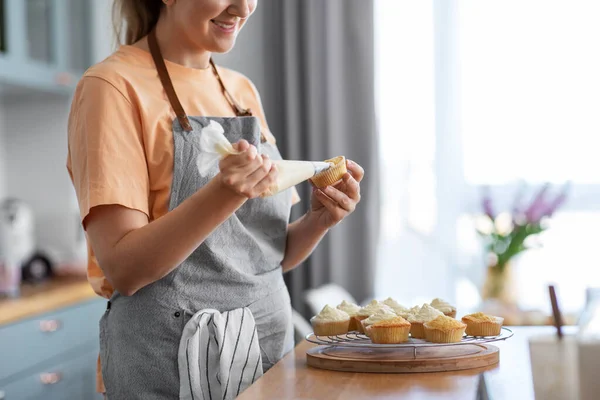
(2,156)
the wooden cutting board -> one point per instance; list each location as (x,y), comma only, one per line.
(403,360)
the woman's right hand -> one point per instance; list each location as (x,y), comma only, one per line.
(248,173)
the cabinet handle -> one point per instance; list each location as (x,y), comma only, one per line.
(51,325)
(50,378)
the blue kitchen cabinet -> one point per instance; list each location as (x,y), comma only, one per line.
(44,45)
(53,355)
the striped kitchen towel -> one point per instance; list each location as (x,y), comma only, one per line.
(219,355)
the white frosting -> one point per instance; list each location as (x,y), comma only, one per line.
(442,305)
(380,315)
(372,308)
(405,314)
(329,314)
(397,307)
(349,308)
(425,314)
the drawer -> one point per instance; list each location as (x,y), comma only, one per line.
(69,380)
(25,344)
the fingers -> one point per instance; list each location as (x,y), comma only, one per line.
(351,187)
(335,211)
(340,198)
(355,170)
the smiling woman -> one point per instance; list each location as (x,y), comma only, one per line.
(167,241)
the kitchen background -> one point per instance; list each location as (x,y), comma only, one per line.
(478,106)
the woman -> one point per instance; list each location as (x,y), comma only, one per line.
(164,240)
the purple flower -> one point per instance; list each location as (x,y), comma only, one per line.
(538,206)
(487,204)
(558,200)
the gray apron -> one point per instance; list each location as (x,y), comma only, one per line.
(238,265)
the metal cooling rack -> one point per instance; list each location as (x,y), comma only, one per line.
(355,339)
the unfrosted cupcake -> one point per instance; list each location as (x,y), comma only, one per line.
(351,309)
(397,307)
(330,322)
(444,329)
(480,324)
(380,315)
(425,314)
(445,307)
(367,311)
(389,331)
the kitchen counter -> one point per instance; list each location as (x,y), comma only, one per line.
(45,297)
(291,378)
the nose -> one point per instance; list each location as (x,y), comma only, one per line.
(241,8)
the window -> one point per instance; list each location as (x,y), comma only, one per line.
(479,93)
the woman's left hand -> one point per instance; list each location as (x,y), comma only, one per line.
(332,204)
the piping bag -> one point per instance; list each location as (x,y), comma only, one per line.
(215,146)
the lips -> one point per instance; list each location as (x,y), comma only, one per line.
(225,26)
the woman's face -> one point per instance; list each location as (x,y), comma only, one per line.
(212,25)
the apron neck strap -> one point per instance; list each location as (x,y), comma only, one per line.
(165,79)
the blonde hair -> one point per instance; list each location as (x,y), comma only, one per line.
(134,19)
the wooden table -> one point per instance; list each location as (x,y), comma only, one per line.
(291,378)
(45,297)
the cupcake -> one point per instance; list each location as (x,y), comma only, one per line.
(397,307)
(405,314)
(351,309)
(480,324)
(380,315)
(424,314)
(448,309)
(444,329)
(330,322)
(389,331)
(331,175)
(367,311)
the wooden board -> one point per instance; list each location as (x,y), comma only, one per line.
(403,360)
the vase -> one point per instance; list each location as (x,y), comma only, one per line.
(499,285)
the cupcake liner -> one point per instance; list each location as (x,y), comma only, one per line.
(388,334)
(417,331)
(358,322)
(353,324)
(331,175)
(330,328)
(444,336)
(484,328)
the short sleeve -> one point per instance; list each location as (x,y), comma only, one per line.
(260,113)
(106,158)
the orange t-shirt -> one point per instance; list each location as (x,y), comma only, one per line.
(120,133)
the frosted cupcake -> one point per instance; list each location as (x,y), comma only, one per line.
(389,331)
(331,175)
(330,322)
(405,314)
(351,309)
(445,307)
(381,315)
(444,329)
(367,311)
(397,307)
(425,314)
(480,324)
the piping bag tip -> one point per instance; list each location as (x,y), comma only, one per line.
(321,166)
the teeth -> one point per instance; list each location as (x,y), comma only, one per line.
(222,25)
